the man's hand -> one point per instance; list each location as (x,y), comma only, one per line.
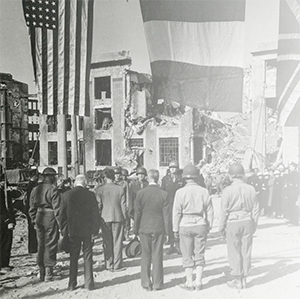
(176,235)
(11,226)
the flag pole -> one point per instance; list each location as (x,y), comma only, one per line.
(74,144)
(62,138)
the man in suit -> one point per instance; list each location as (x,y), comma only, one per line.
(151,223)
(135,186)
(79,220)
(112,204)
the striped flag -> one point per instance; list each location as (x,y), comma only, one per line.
(196,50)
(61,44)
(288,63)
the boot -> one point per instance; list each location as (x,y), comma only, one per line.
(41,274)
(48,273)
(235,284)
(189,280)
(199,273)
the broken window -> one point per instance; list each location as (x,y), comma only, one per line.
(52,123)
(103,152)
(52,153)
(102,88)
(68,123)
(81,120)
(168,151)
(69,153)
(103,119)
(136,145)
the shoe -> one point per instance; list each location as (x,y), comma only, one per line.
(157,289)
(71,288)
(171,250)
(148,289)
(109,269)
(119,269)
(187,287)
(235,284)
(90,288)
(198,287)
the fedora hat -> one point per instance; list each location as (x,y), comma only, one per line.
(133,248)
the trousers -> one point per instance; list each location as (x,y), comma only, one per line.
(32,239)
(47,237)
(152,251)
(192,245)
(239,235)
(87,249)
(6,236)
(112,240)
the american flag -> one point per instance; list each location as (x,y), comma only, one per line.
(61,47)
(288,63)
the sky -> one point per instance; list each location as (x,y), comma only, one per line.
(118,26)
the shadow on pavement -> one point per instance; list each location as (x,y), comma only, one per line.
(268,225)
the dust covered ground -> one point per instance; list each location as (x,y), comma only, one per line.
(275,272)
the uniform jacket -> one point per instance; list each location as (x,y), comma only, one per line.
(238,202)
(171,185)
(44,195)
(151,210)
(192,207)
(6,214)
(134,187)
(79,215)
(112,202)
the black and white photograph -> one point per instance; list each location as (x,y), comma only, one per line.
(149,149)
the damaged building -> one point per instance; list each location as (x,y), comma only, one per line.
(126,126)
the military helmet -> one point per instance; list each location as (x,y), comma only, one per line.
(49,171)
(236,170)
(190,172)
(141,170)
(117,170)
(173,164)
(124,171)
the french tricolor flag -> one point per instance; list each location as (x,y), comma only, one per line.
(196,50)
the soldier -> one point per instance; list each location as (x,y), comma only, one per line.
(151,223)
(7,225)
(44,212)
(112,205)
(171,183)
(135,186)
(192,220)
(277,195)
(238,221)
(292,193)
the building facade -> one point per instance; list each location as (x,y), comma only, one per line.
(14,122)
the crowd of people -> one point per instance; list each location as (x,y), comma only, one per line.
(177,211)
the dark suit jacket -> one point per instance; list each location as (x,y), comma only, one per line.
(112,202)
(79,215)
(151,210)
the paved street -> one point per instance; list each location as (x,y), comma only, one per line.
(275,273)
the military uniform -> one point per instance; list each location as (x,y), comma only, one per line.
(192,218)
(239,216)
(44,212)
(292,193)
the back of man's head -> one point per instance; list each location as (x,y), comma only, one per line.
(153,175)
(109,173)
(80,180)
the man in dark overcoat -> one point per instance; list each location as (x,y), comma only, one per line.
(79,220)
(151,224)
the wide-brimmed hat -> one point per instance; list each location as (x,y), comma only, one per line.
(49,171)
(133,248)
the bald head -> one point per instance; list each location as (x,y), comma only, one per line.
(80,180)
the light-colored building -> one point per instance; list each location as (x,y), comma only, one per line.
(125,126)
